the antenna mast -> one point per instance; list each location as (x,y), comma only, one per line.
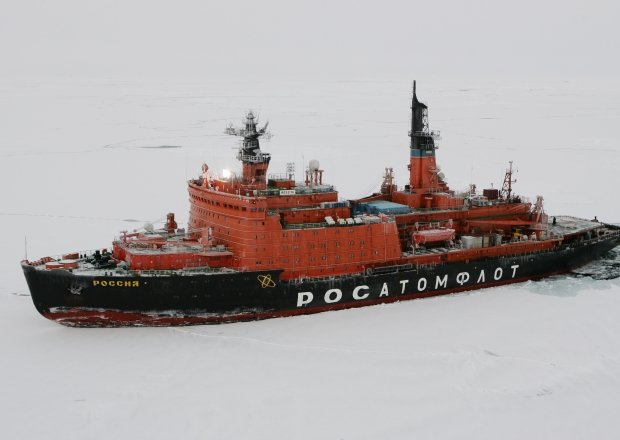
(508,181)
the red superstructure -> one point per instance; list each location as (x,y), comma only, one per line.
(256,221)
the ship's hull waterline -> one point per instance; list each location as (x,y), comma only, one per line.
(171,300)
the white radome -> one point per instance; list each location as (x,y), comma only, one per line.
(313,165)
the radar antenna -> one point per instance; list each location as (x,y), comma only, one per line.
(242,131)
(255,162)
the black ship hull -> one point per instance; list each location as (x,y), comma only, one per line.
(190,299)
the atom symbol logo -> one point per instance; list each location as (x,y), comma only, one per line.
(266,281)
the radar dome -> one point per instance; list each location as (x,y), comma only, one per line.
(313,165)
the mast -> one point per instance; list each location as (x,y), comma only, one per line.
(420,134)
(255,162)
(508,181)
(422,166)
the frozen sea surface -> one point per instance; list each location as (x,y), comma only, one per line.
(81,160)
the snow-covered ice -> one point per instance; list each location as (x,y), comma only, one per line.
(81,160)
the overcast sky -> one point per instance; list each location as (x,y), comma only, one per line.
(353,38)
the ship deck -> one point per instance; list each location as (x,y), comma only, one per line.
(566,225)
